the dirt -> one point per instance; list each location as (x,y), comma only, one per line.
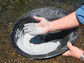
(11,10)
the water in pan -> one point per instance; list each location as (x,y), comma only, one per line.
(25,43)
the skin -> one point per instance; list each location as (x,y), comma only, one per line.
(67,22)
(73,51)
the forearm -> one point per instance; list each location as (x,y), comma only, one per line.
(67,22)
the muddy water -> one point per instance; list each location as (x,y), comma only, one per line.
(11,10)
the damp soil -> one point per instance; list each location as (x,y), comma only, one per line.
(11,10)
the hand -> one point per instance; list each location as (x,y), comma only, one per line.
(37,28)
(73,51)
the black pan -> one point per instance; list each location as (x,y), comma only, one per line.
(49,13)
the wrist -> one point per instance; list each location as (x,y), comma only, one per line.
(53,27)
(50,27)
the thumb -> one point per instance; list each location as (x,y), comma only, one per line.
(37,18)
(67,53)
(69,45)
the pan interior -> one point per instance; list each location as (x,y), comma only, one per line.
(36,45)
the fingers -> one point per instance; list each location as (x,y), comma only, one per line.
(69,45)
(28,27)
(38,18)
(66,53)
(29,24)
